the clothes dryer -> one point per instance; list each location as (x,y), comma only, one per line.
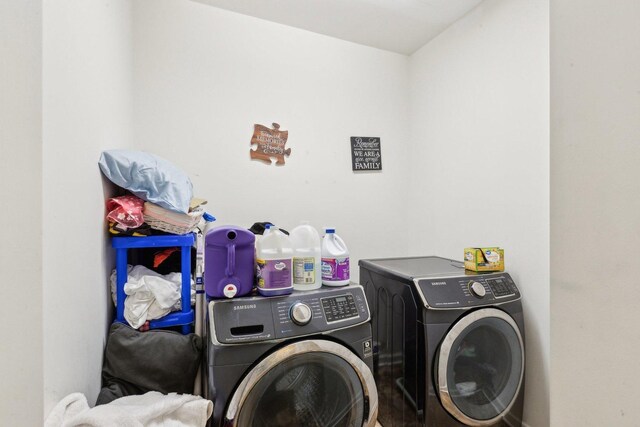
(448,344)
(294,360)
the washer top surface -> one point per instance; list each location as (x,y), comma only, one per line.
(417,267)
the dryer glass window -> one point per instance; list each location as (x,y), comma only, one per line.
(314,389)
(485,368)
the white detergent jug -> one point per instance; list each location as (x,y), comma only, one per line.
(335,260)
(307,265)
(274,255)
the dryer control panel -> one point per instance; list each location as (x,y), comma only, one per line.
(254,319)
(468,291)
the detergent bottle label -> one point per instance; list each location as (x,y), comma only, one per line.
(335,268)
(304,270)
(274,273)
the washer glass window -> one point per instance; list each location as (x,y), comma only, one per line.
(313,389)
(484,368)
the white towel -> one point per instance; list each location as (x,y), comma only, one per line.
(152,409)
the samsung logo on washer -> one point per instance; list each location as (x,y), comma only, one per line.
(438,283)
(244,307)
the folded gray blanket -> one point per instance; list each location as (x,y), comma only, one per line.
(158,360)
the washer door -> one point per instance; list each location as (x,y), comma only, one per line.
(310,383)
(480,367)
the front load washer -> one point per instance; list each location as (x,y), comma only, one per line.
(448,344)
(294,360)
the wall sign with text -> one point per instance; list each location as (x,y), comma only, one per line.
(269,144)
(365,154)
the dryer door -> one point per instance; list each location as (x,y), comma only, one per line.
(480,367)
(306,383)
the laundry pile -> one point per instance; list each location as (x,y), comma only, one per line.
(150,295)
(149,409)
(158,360)
(159,195)
(157,200)
(147,380)
(129,215)
(152,357)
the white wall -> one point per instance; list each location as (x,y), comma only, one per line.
(21,213)
(480,157)
(595,212)
(87,108)
(204,76)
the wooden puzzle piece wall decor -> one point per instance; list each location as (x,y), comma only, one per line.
(269,143)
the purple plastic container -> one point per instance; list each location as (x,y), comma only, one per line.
(229,257)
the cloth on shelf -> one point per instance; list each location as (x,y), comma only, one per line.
(162,256)
(155,260)
(126,211)
(163,219)
(119,230)
(150,295)
(158,360)
(150,409)
(149,177)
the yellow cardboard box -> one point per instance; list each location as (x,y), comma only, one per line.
(484,259)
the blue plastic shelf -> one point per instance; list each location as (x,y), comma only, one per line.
(183,318)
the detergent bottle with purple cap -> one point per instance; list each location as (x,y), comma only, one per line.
(274,255)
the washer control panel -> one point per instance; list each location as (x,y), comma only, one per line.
(254,319)
(468,291)
(339,308)
(501,287)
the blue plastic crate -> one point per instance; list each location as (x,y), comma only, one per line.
(183,318)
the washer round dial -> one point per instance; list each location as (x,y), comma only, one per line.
(300,313)
(477,289)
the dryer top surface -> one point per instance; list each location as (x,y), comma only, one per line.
(443,283)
